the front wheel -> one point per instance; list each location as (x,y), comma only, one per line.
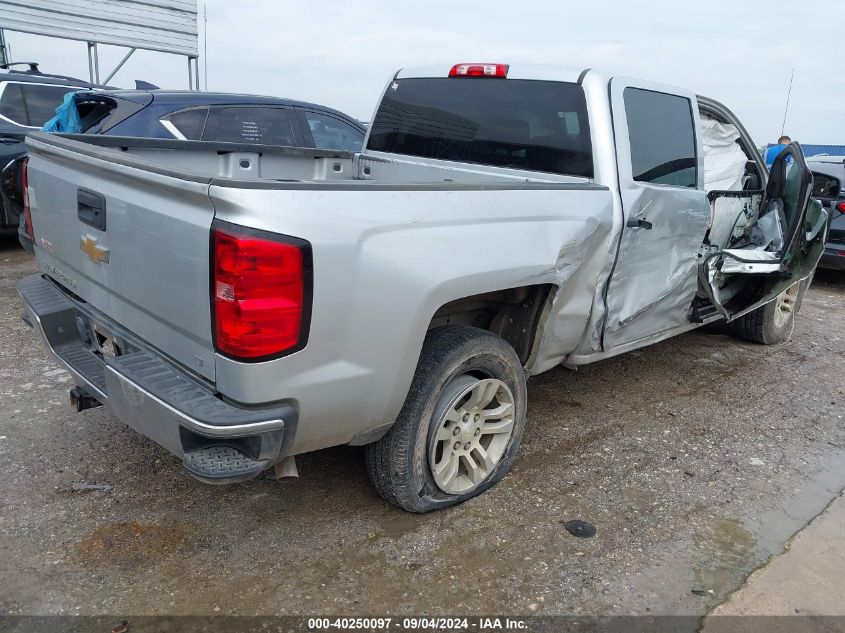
(459,429)
(773,322)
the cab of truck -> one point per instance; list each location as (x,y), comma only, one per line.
(705,230)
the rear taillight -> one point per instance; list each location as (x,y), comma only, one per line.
(261,292)
(27,214)
(479,70)
(841,206)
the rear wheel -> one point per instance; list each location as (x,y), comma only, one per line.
(460,427)
(773,322)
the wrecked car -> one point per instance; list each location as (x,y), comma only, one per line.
(242,304)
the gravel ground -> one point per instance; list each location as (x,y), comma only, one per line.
(696,459)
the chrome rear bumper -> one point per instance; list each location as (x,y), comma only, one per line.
(153,395)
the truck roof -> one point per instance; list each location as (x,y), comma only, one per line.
(515,71)
(539,72)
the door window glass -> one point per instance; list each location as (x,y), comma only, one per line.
(662,137)
(12,105)
(42,101)
(190,123)
(260,125)
(31,104)
(332,133)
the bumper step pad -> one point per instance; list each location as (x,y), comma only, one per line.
(222,465)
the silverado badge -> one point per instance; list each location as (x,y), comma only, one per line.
(97,254)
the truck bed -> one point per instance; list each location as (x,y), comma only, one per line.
(210,162)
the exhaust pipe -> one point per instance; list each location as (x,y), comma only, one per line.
(285,469)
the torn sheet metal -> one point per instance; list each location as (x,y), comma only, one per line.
(581,257)
(732,216)
(759,251)
(767,232)
(764,242)
(740,260)
(724,160)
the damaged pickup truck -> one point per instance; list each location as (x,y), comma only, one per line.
(244,304)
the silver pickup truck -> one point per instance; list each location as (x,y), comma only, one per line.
(243,304)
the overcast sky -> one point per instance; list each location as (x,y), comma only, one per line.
(341,53)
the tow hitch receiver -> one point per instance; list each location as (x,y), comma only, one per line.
(81,400)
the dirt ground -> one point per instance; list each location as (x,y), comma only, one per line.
(696,459)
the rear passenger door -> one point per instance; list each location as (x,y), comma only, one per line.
(665,209)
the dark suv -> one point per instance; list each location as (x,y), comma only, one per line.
(829,188)
(28,99)
(222,117)
(193,116)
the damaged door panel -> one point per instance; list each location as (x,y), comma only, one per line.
(731,214)
(665,209)
(762,242)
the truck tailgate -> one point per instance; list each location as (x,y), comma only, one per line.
(132,242)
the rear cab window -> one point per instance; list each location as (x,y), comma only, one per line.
(662,136)
(31,104)
(516,123)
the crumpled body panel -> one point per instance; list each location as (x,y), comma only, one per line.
(576,274)
(655,276)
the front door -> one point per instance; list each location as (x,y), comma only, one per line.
(771,248)
(666,212)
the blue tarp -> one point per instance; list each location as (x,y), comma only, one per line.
(66,119)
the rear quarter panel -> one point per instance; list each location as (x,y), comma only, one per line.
(385,259)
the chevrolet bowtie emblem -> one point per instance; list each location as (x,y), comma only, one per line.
(97,254)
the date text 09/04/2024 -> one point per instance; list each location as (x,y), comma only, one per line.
(418,624)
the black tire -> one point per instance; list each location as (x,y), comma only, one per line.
(762,325)
(398,463)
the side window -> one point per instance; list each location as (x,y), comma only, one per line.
(42,101)
(31,104)
(332,133)
(189,123)
(662,138)
(261,125)
(12,105)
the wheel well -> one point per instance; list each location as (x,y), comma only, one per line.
(512,313)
